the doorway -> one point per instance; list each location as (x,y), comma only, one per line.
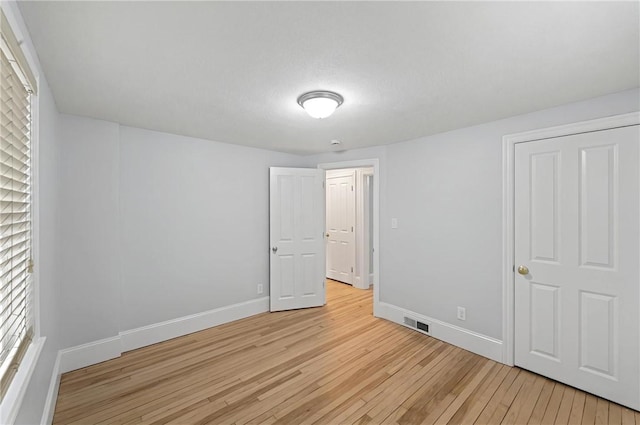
(366,229)
(297,234)
(349,228)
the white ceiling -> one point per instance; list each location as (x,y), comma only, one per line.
(232,71)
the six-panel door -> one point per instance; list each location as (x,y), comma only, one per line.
(341,221)
(576,230)
(297,252)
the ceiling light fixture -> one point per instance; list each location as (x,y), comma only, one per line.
(320,103)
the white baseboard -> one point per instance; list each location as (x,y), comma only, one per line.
(109,348)
(460,337)
(52,394)
(360,283)
(158,332)
(88,354)
(357,282)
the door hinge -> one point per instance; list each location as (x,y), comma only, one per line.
(352,228)
(30,266)
(352,188)
(351,269)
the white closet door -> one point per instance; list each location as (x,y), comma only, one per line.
(577,292)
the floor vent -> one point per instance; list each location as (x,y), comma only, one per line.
(423,327)
(409,321)
(415,324)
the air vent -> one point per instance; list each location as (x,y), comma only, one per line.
(409,321)
(423,327)
(415,324)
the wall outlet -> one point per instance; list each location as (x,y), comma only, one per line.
(462,313)
(260,288)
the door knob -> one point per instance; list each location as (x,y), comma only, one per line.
(523,270)
(327,235)
(274,249)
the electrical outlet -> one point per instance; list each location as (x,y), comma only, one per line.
(462,313)
(260,288)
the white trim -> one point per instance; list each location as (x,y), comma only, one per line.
(364,163)
(52,394)
(342,172)
(598,124)
(362,275)
(89,354)
(508,249)
(455,335)
(158,332)
(358,211)
(10,405)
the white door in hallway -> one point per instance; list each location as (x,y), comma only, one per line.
(341,222)
(296,228)
(577,258)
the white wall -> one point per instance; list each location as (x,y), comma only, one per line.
(446,192)
(157,226)
(89,229)
(195,224)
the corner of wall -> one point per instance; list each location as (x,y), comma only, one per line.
(94,352)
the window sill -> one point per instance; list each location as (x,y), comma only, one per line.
(12,401)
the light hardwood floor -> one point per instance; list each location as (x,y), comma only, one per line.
(331,365)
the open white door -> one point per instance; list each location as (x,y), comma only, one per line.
(577,295)
(296,228)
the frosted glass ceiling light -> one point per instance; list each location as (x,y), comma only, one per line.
(320,104)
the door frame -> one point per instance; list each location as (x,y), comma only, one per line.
(508,210)
(375,164)
(363,240)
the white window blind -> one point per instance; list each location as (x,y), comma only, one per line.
(15,215)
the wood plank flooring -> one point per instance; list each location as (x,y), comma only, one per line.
(331,365)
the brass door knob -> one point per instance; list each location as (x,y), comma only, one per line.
(523,270)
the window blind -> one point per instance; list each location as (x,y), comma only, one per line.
(15,216)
